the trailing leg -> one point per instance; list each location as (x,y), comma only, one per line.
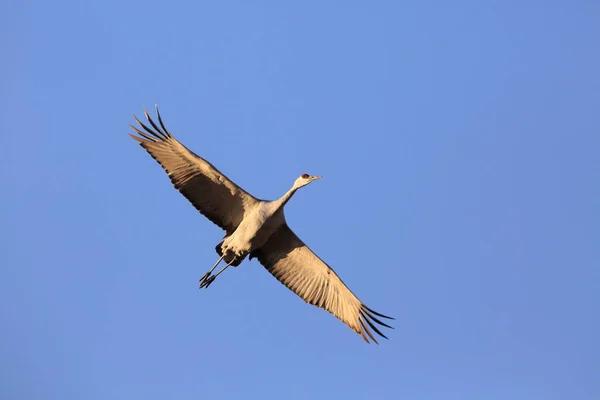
(206,275)
(206,281)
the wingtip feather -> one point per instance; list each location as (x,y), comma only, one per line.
(378,314)
(160,121)
(137,139)
(366,329)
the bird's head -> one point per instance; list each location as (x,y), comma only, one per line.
(304,180)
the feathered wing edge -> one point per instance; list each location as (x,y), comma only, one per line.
(212,193)
(367,315)
(298,268)
(160,134)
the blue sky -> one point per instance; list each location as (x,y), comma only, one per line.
(459,147)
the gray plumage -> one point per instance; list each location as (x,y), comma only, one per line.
(255,228)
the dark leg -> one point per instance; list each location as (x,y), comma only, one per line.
(206,275)
(206,281)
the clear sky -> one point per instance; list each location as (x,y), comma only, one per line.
(459,144)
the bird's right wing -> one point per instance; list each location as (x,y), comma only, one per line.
(289,260)
(212,193)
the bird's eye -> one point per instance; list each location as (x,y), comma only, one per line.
(305,176)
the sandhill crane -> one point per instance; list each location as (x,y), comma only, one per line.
(256,228)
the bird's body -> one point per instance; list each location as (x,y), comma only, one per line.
(255,228)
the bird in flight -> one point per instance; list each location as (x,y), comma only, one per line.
(255,228)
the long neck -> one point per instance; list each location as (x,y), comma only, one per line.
(287,196)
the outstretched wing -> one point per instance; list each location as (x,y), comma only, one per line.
(289,260)
(212,193)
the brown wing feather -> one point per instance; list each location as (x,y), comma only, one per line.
(211,192)
(289,260)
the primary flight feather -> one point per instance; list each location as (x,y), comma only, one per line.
(255,228)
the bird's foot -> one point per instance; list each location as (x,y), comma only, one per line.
(206,280)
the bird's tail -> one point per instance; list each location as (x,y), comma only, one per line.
(228,257)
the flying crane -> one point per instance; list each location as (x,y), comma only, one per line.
(255,228)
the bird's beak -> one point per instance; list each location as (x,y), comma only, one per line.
(314,178)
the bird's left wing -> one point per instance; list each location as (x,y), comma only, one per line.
(213,194)
(289,260)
